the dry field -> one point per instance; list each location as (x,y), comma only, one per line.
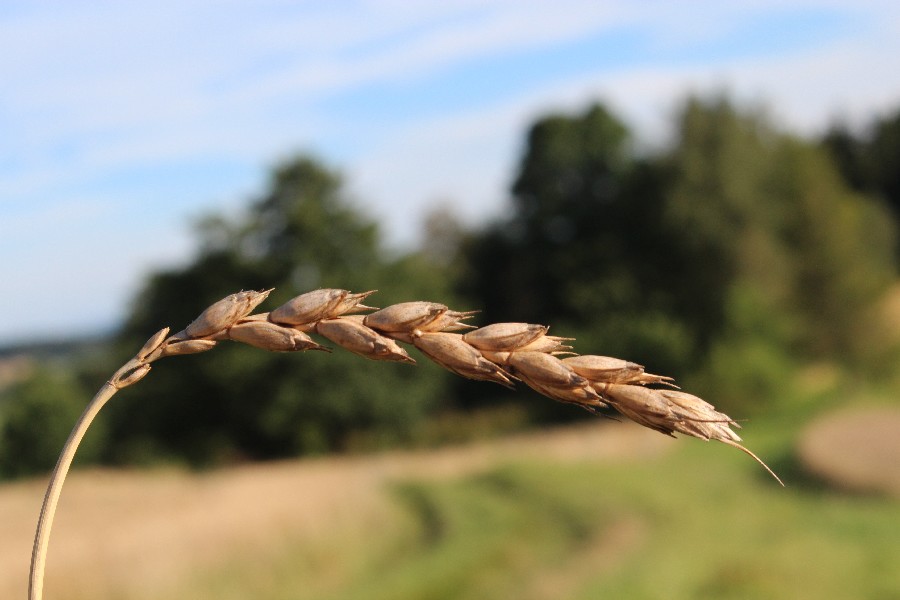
(856,450)
(123,534)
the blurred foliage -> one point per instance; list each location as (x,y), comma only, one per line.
(800,258)
(239,402)
(38,414)
(585,246)
(731,259)
(870,160)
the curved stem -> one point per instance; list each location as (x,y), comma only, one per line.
(51,498)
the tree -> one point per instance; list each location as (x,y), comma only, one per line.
(301,234)
(870,161)
(795,259)
(736,251)
(37,416)
(584,246)
(771,214)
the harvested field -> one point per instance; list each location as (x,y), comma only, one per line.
(129,534)
(602,510)
(855,450)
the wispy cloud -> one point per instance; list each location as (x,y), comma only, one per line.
(121,121)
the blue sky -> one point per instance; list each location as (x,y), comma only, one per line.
(121,123)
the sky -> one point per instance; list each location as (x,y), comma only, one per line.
(121,124)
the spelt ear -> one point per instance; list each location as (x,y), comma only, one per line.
(502,353)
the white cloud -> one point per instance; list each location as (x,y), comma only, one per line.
(469,158)
(93,90)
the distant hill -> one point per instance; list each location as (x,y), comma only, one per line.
(17,360)
(60,348)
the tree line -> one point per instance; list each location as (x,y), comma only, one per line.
(730,259)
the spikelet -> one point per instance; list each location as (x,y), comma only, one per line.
(604,369)
(350,334)
(317,305)
(133,376)
(451,352)
(642,405)
(152,344)
(544,369)
(271,336)
(181,347)
(405,317)
(504,337)
(549,376)
(225,313)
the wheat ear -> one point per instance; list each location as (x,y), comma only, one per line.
(504,353)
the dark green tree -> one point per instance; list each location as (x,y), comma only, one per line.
(301,234)
(736,252)
(770,214)
(870,160)
(794,259)
(585,247)
(585,244)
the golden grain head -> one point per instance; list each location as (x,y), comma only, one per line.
(502,353)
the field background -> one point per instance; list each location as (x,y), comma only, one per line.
(603,510)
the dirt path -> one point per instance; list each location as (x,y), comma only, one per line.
(856,449)
(125,530)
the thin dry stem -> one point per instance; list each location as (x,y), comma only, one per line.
(129,373)
(504,353)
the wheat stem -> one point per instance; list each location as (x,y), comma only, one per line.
(54,488)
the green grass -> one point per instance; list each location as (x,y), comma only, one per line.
(704,522)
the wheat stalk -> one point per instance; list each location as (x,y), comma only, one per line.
(504,353)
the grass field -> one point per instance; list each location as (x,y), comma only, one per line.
(605,510)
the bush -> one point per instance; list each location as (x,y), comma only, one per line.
(37,416)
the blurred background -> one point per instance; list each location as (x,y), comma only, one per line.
(709,189)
